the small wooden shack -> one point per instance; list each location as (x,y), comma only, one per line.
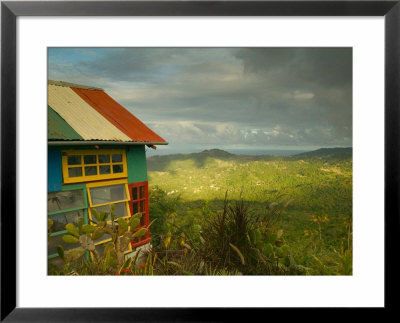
(96,157)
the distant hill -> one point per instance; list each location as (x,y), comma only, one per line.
(336,153)
(216,153)
(160,163)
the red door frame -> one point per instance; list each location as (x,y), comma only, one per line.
(145,214)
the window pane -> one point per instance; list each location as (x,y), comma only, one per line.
(65,200)
(75,172)
(134,193)
(104,237)
(57,240)
(89,159)
(105,208)
(117,158)
(135,208)
(120,211)
(118,169)
(105,194)
(142,192)
(100,250)
(104,159)
(142,206)
(60,220)
(105,169)
(90,170)
(74,160)
(143,220)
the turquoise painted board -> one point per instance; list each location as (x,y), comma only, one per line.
(54,175)
(137,167)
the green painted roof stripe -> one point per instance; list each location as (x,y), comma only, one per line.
(58,128)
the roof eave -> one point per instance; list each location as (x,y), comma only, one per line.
(101,142)
(74,85)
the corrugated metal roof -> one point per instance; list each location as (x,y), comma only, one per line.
(82,113)
(119,116)
(85,120)
(58,129)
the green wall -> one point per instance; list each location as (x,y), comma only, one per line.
(135,158)
(137,167)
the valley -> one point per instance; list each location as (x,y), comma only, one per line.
(314,190)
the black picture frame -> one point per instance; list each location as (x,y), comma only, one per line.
(11,10)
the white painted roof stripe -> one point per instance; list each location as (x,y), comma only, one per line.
(85,120)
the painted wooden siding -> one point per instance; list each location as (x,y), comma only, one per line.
(137,167)
(54,176)
(136,163)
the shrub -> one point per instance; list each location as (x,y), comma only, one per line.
(162,209)
(122,232)
(236,240)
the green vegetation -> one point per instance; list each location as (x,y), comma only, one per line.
(300,204)
(214,213)
(111,259)
(232,241)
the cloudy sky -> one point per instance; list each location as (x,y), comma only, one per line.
(228,98)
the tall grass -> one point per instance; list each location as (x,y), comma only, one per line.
(241,237)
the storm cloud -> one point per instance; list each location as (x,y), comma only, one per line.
(224,97)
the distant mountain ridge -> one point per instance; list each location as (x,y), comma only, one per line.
(215,152)
(337,152)
(159,162)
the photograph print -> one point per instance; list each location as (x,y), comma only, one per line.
(199,161)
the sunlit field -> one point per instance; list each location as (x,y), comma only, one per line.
(310,193)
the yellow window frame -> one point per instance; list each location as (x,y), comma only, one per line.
(108,183)
(85,178)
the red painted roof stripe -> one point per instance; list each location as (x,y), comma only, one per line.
(118,115)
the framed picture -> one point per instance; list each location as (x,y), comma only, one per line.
(373,41)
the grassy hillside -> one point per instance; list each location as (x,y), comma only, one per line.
(316,186)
